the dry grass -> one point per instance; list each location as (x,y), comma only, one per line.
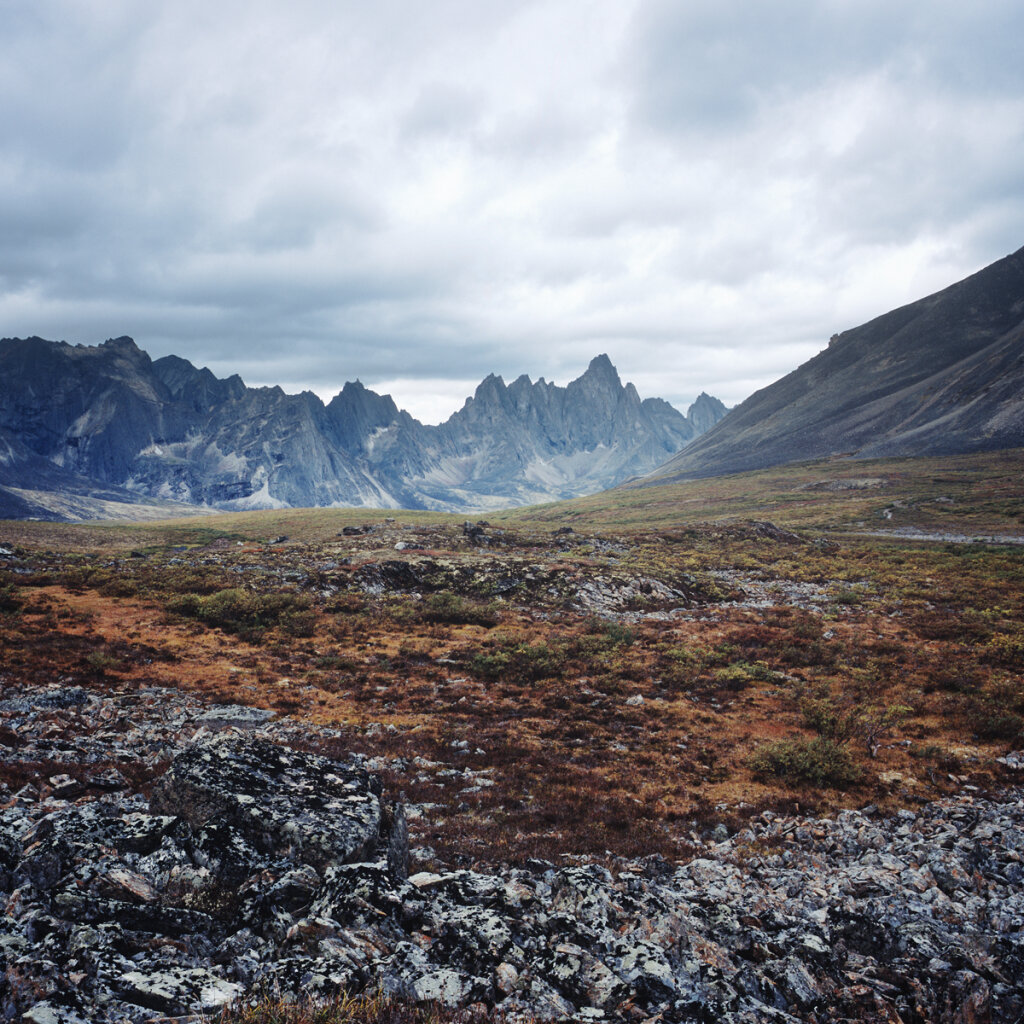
(345,1009)
(597,735)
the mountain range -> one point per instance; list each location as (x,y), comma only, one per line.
(83,428)
(86,429)
(940,376)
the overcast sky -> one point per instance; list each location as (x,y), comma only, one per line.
(418,194)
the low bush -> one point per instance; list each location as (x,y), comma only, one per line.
(827,720)
(847,720)
(954,678)
(942,758)
(741,674)
(618,634)
(100,663)
(248,614)
(990,720)
(453,609)
(519,662)
(1004,650)
(816,762)
(10,599)
(733,678)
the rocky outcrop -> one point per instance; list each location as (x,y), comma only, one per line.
(123,909)
(285,804)
(78,419)
(941,376)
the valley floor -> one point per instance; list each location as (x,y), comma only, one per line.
(581,694)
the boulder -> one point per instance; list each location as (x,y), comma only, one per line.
(284,802)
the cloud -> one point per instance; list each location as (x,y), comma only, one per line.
(316,192)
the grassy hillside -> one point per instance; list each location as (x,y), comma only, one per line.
(970,493)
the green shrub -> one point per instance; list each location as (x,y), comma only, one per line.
(10,599)
(817,762)
(248,614)
(733,678)
(826,719)
(869,723)
(120,586)
(618,634)
(490,666)
(184,604)
(1005,650)
(520,662)
(990,720)
(954,678)
(741,674)
(444,606)
(942,758)
(178,579)
(100,662)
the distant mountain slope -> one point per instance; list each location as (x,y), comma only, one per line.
(941,376)
(81,420)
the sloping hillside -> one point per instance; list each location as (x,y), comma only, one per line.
(943,375)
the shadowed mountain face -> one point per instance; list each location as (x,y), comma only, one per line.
(110,419)
(942,376)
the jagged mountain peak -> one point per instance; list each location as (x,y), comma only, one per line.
(493,383)
(705,412)
(121,344)
(164,428)
(603,370)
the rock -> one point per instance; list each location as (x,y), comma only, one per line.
(584,978)
(284,802)
(235,716)
(46,1013)
(474,533)
(178,990)
(64,787)
(114,913)
(120,883)
(409,974)
(110,779)
(505,978)
(395,832)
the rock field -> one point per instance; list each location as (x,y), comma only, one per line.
(254,865)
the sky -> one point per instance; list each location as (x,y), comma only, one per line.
(416,195)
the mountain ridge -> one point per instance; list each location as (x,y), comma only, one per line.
(942,375)
(110,417)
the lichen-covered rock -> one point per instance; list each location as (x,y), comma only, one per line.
(178,990)
(284,802)
(114,913)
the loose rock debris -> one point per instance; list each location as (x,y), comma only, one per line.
(255,866)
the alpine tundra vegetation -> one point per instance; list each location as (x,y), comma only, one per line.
(637,755)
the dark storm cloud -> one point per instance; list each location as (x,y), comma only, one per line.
(418,195)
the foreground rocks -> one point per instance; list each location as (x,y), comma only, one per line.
(255,866)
